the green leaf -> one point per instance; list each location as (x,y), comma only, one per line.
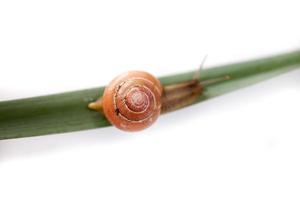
(68,112)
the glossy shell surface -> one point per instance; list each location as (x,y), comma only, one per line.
(132,101)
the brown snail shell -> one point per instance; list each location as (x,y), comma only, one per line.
(132,101)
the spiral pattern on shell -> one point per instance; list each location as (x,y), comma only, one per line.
(132,101)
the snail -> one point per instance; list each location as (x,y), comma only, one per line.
(134,100)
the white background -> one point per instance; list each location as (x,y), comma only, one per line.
(243,145)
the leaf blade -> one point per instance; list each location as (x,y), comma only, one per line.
(68,112)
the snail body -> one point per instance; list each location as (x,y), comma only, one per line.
(134,100)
